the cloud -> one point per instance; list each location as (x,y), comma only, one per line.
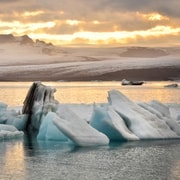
(165,7)
(8,1)
(69,17)
(84,9)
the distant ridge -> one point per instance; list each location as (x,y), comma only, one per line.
(143,52)
(22,40)
(7,38)
(26,40)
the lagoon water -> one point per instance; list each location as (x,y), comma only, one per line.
(145,160)
(140,160)
(13,93)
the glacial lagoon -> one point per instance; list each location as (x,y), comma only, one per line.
(28,159)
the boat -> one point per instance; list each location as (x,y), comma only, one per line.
(137,82)
(126,82)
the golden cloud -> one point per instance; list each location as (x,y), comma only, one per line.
(122,37)
(76,22)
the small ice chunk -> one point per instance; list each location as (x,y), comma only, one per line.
(9,132)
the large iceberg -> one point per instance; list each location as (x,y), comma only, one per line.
(78,130)
(142,122)
(120,119)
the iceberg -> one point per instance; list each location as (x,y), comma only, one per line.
(78,130)
(12,117)
(174,110)
(120,119)
(107,121)
(48,131)
(9,132)
(143,123)
(38,102)
(163,113)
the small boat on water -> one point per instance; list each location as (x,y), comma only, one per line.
(171,86)
(126,82)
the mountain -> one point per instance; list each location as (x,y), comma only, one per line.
(22,40)
(7,38)
(19,46)
(22,58)
(144,52)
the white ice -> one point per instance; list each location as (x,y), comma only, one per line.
(12,117)
(9,132)
(78,130)
(94,124)
(143,123)
(107,121)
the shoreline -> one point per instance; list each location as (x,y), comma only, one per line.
(148,74)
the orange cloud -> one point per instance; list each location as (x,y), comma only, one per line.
(93,22)
(123,37)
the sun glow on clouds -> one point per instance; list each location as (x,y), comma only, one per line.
(33,13)
(104,27)
(122,37)
(153,16)
(20,28)
(72,22)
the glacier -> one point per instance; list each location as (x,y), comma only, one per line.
(120,119)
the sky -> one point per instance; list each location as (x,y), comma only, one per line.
(94,22)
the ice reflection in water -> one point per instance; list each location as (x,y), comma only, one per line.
(55,160)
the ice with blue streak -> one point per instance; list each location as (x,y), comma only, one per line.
(119,119)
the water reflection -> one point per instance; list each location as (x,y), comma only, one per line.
(30,159)
(33,146)
(175,170)
(12,159)
(89,92)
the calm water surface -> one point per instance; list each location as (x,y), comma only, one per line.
(143,160)
(89,92)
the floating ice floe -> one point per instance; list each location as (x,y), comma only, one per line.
(12,117)
(120,119)
(171,86)
(9,132)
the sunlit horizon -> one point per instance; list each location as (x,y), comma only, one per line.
(98,23)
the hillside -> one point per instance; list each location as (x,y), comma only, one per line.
(23,50)
(22,59)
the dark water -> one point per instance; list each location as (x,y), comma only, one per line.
(141,160)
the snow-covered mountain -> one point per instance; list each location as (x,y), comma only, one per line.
(23,40)
(26,59)
(23,50)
